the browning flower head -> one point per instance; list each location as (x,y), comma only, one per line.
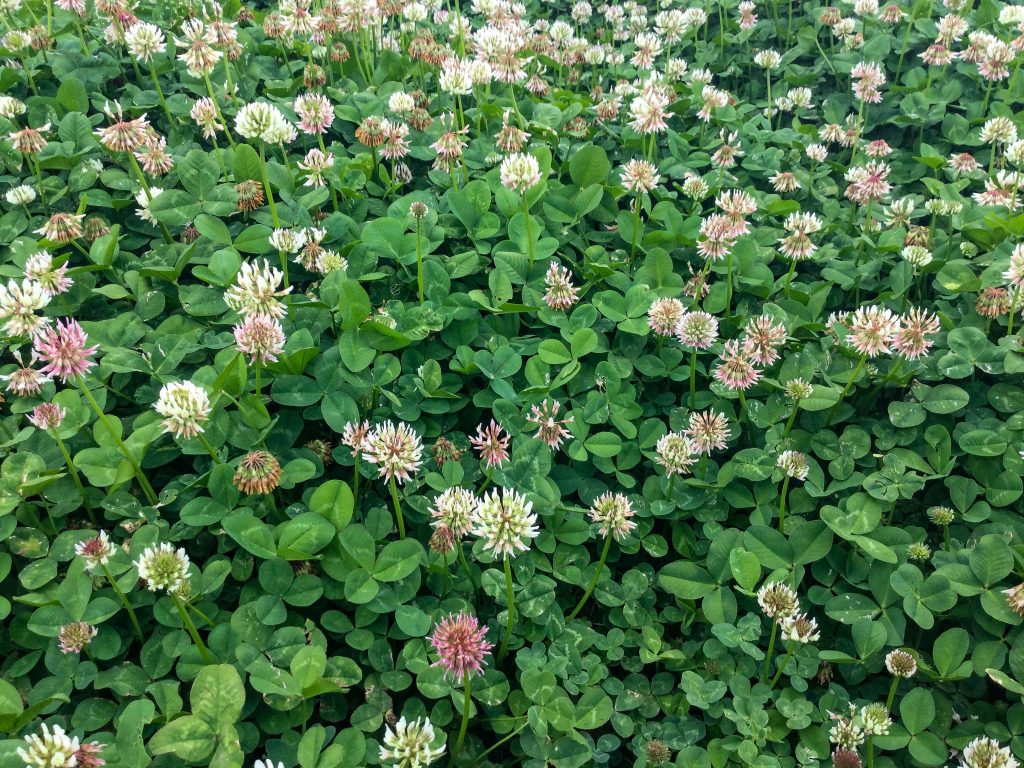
(75,636)
(258,472)
(900,664)
(250,195)
(777,600)
(96,551)
(799,628)
(708,430)
(62,227)
(47,416)
(664,315)
(322,450)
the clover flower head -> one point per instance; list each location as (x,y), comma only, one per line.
(461,643)
(396,450)
(410,744)
(454,509)
(185,407)
(505,521)
(614,513)
(163,567)
(777,600)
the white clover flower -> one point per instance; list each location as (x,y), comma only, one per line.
(288,240)
(144,199)
(11,107)
(505,521)
(410,744)
(984,752)
(257,290)
(396,449)
(19,303)
(798,628)
(454,508)
(49,749)
(777,600)
(401,102)
(260,120)
(520,172)
(96,551)
(144,41)
(163,567)
(20,195)
(184,406)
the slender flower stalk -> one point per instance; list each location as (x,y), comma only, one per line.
(124,601)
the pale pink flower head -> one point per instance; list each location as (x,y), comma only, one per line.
(870,78)
(763,339)
(717,236)
(53,280)
(873,330)
(737,205)
(698,330)
(676,452)
(911,340)
(123,135)
(491,442)
(461,643)
(25,380)
(614,513)
(550,429)
(561,293)
(735,369)
(63,350)
(315,113)
(62,227)
(47,416)
(204,113)
(356,435)
(261,337)
(453,509)
(708,430)
(88,755)
(1015,272)
(664,315)
(639,176)
(396,450)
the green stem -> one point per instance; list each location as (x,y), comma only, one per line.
(466,704)
(398,507)
(789,276)
(636,228)
(594,580)
(204,652)
(258,383)
(209,448)
(355,482)
(266,186)
(783,665)
(487,481)
(479,758)
(693,379)
(771,650)
(124,600)
(510,597)
(846,389)
(529,230)
(892,693)
(465,565)
(160,95)
(146,487)
(419,260)
(71,467)
(870,747)
(149,194)
(945,538)
(728,287)
(216,106)
(789,422)
(782,505)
